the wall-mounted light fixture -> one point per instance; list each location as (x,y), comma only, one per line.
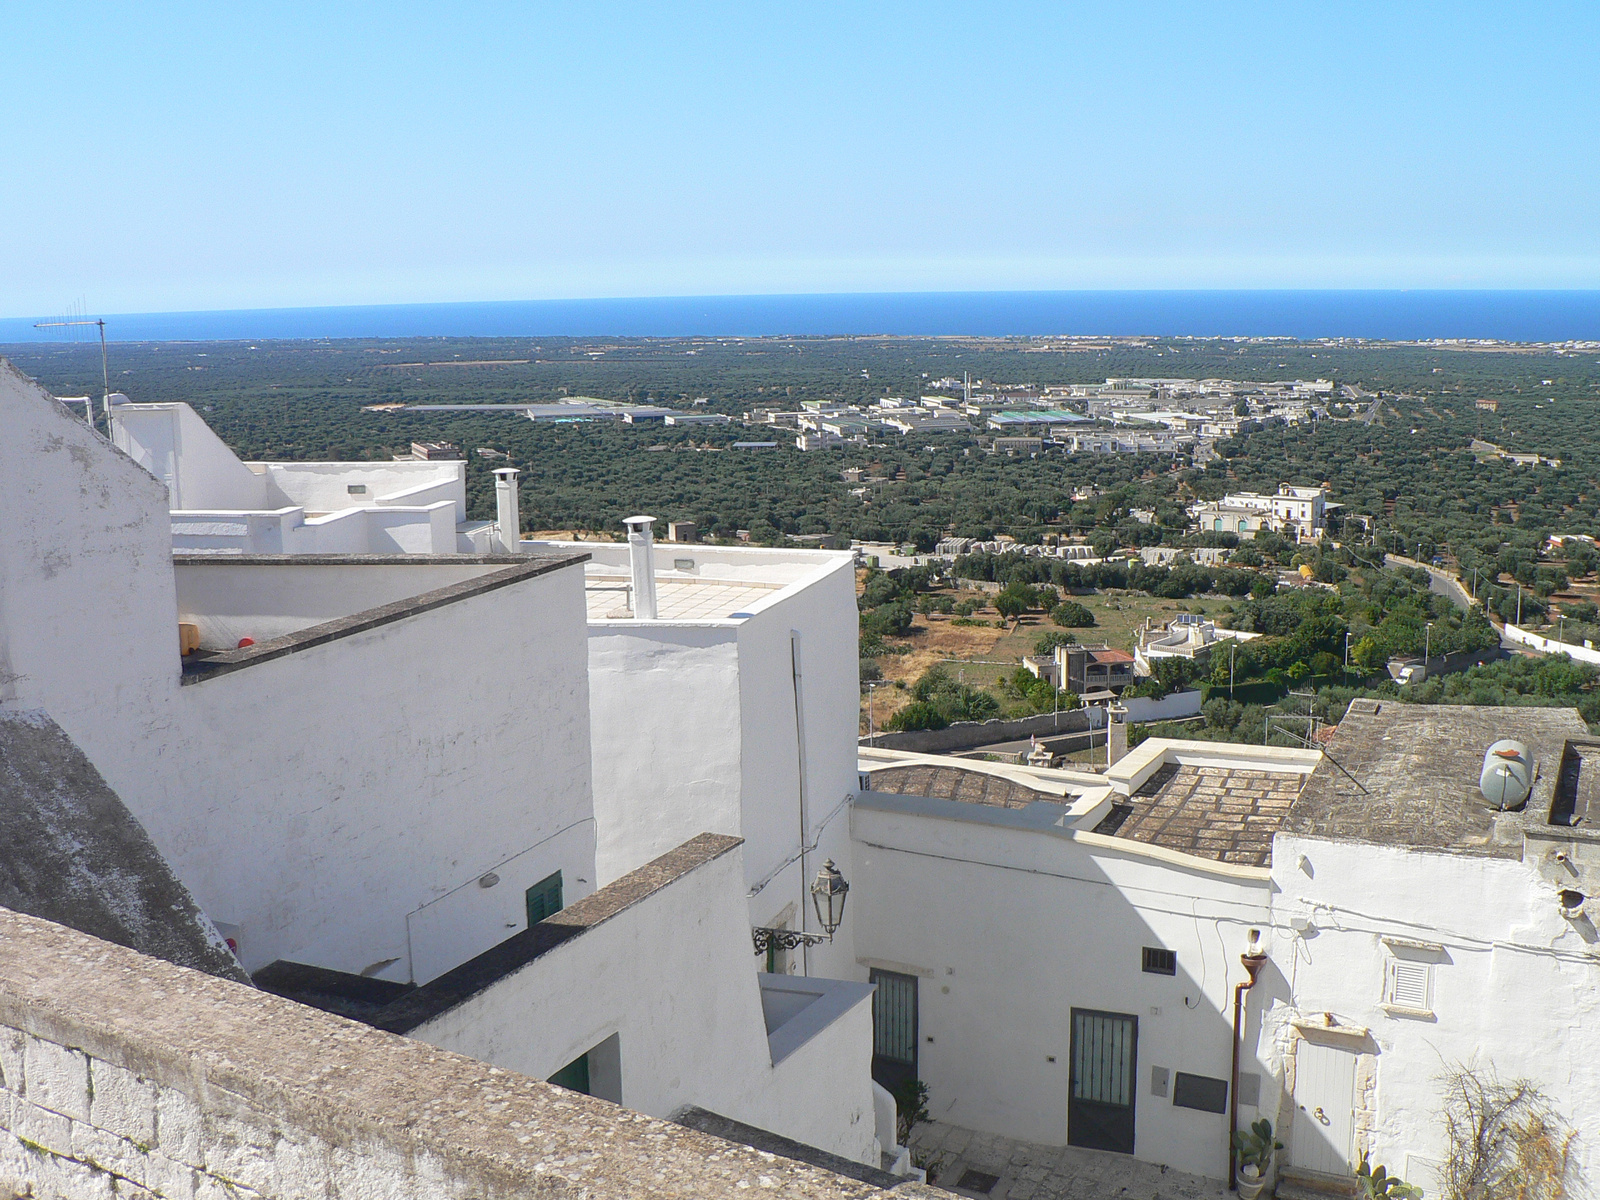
(828,893)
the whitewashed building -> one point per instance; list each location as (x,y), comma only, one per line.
(221,504)
(725,702)
(1061,947)
(1299,512)
(373,775)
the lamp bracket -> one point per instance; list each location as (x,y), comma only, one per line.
(784,939)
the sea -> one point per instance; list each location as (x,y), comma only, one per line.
(1518,316)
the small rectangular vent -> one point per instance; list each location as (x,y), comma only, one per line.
(1200,1091)
(1160,962)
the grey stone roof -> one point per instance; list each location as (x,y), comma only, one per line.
(71,852)
(1224,813)
(1419,764)
(958,783)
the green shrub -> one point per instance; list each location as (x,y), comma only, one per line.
(1072,615)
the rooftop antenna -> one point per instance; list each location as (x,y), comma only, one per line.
(105,375)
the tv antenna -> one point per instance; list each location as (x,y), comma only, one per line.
(105,375)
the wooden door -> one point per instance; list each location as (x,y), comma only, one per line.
(1324,1099)
(894,1028)
(1105,1051)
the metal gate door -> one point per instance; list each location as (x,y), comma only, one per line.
(894,1028)
(1100,1099)
(1324,1100)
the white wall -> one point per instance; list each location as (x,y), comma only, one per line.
(1009,928)
(694,726)
(318,799)
(824,616)
(664,718)
(324,486)
(88,619)
(372,775)
(177,447)
(230,599)
(1546,645)
(695,1035)
(222,504)
(1514,986)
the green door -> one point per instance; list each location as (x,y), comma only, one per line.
(544,900)
(574,1076)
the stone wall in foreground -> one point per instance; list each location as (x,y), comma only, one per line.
(123,1075)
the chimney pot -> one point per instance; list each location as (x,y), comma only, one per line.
(641,561)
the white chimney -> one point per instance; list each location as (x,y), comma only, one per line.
(641,557)
(507,511)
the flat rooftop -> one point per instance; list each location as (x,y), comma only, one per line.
(1224,813)
(677,599)
(1419,766)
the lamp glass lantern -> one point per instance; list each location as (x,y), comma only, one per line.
(828,892)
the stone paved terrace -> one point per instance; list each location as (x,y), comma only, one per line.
(958,783)
(1224,813)
(1026,1171)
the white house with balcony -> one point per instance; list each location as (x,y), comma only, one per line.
(1187,635)
(1299,512)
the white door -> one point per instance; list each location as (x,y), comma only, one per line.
(1324,1098)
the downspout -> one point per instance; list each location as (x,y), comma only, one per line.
(800,743)
(1253,959)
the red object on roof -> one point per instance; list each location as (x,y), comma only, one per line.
(1111,656)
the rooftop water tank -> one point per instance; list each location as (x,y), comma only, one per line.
(1507,775)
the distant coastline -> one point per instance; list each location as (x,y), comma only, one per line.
(1518,316)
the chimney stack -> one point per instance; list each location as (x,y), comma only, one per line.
(1116,733)
(641,558)
(507,511)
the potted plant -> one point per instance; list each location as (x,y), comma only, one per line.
(1255,1148)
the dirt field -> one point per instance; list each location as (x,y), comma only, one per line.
(984,654)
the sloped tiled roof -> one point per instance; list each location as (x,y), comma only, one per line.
(956,783)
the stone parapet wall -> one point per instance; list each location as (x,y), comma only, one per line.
(123,1075)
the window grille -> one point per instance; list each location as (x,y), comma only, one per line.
(1160,962)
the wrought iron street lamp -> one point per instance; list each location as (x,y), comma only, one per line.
(828,893)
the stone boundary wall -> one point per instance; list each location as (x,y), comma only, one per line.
(964,735)
(125,1076)
(1515,633)
(969,735)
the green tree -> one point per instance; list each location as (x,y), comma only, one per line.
(1048,642)
(1072,615)
(1014,600)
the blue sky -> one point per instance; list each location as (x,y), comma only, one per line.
(170,156)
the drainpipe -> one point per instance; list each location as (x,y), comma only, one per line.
(1253,959)
(506,510)
(800,746)
(641,561)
